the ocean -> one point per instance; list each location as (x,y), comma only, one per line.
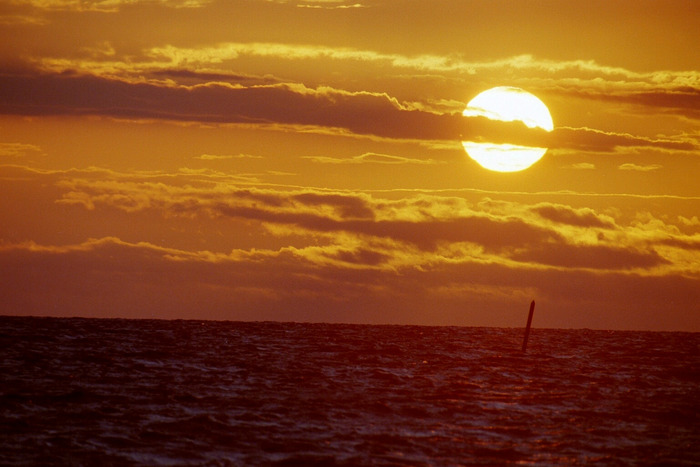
(151,392)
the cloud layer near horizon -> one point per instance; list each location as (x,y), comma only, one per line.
(344,248)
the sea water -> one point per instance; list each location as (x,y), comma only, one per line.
(147,392)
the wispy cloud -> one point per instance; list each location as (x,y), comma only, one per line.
(579,71)
(22,19)
(328,4)
(215,157)
(103,5)
(689,221)
(580,166)
(639,168)
(589,139)
(19,149)
(372,158)
(582,217)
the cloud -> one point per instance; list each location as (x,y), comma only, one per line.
(327,4)
(19,149)
(361,112)
(639,168)
(324,255)
(567,72)
(22,20)
(432,227)
(314,212)
(103,5)
(589,139)
(215,157)
(673,91)
(692,221)
(582,217)
(591,256)
(372,158)
(183,56)
(678,93)
(111,277)
(581,166)
(185,76)
(685,243)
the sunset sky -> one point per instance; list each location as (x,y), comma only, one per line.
(302,161)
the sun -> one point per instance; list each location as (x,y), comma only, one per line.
(507,104)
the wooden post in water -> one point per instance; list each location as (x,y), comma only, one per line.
(529,323)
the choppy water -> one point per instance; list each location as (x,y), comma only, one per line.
(124,392)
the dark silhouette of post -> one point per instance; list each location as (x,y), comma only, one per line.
(529,323)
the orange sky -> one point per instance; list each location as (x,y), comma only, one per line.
(301,160)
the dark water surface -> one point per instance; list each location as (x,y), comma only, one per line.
(124,392)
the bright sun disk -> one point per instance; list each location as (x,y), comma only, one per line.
(507,104)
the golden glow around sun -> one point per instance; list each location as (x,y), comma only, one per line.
(507,104)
